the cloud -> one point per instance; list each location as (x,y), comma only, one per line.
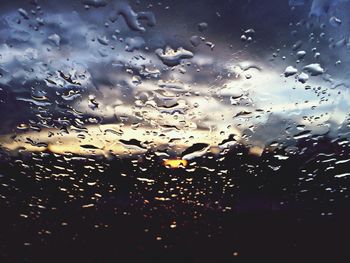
(74,68)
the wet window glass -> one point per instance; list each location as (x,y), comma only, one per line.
(174,131)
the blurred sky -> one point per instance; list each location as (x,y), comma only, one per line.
(67,64)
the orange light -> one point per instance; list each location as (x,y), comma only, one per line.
(175,163)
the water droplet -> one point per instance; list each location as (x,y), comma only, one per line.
(314,69)
(290,71)
(171,57)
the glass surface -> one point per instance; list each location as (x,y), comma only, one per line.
(174,131)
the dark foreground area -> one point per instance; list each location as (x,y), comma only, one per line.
(281,207)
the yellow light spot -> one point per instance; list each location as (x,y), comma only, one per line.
(256,150)
(175,163)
